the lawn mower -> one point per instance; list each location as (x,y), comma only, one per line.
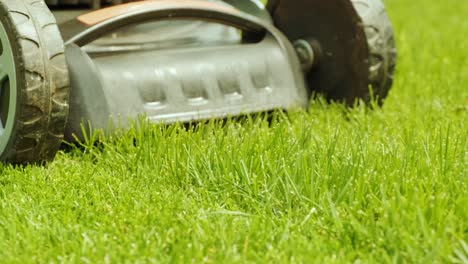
(69,63)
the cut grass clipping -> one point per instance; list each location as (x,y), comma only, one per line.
(329,185)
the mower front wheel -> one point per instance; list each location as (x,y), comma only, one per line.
(34,83)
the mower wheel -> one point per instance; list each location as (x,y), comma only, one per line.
(382,51)
(352,45)
(34,82)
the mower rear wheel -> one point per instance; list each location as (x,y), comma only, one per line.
(382,51)
(353,43)
(34,82)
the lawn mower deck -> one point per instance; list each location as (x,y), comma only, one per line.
(174,61)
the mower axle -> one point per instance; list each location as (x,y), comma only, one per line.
(308,53)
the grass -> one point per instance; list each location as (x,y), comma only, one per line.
(328,185)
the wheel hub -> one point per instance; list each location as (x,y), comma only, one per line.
(308,52)
(8,92)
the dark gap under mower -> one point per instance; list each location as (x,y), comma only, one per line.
(178,60)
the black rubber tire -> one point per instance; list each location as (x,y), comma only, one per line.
(95,4)
(382,50)
(42,82)
(381,54)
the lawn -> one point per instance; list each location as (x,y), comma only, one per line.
(327,185)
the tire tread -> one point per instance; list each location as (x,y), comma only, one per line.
(43,95)
(382,51)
